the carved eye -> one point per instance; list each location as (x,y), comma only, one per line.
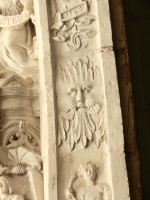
(72,91)
(87,89)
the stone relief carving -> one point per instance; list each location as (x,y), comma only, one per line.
(18,43)
(93,190)
(75,24)
(20,156)
(21,137)
(20,161)
(6,192)
(85,121)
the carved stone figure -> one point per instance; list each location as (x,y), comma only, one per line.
(6,190)
(92,191)
(85,120)
(17,38)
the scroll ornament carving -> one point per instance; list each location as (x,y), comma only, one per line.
(6,192)
(18,43)
(85,121)
(22,138)
(93,190)
(74,25)
(20,152)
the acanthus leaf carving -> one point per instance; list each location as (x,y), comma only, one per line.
(85,121)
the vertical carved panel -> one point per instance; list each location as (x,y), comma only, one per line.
(84,121)
(81,102)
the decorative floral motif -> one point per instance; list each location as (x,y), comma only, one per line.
(82,125)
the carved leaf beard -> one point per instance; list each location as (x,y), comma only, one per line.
(82,125)
(9,8)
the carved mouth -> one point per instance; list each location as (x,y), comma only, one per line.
(81,104)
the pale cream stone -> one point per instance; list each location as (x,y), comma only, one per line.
(81,129)
(6,190)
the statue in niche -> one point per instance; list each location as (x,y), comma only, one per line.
(85,120)
(92,191)
(18,44)
(6,190)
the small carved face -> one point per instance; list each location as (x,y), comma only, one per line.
(4,188)
(79,94)
(89,173)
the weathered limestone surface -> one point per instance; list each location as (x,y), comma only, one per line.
(115,128)
(78,151)
(126,96)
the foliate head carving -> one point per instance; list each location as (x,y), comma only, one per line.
(84,120)
(80,77)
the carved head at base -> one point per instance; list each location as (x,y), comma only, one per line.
(89,171)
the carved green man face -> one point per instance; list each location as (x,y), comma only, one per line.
(80,101)
(79,93)
(80,80)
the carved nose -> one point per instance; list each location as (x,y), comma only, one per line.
(80,96)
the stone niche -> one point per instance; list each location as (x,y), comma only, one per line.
(61,131)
